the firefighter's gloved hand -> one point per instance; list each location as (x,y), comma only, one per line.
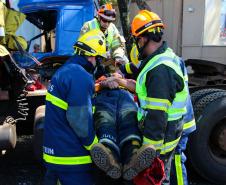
(154,175)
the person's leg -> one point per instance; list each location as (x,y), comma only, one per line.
(134,158)
(106,159)
(178,170)
(50,177)
(105,117)
(105,154)
(127,125)
(167,160)
(129,136)
(141,159)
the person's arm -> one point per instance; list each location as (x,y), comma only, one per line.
(79,112)
(118,46)
(189,118)
(129,84)
(129,70)
(116,80)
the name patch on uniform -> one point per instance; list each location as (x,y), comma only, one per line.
(48,150)
(50,88)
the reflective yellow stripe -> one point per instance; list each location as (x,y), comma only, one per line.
(155,103)
(179,170)
(56,101)
(186,78)
(189,124)
(156,144)
(128,70)
(115,42)
(165,148)
(155,108)
(175,114)
(93,24)
(93,109)
(169,146)
(67,160)
(158,100)
(95,141)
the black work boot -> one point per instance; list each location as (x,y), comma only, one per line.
(140,159)
(106,160)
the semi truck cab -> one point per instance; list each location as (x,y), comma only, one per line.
(57,25)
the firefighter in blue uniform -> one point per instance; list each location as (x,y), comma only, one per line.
(178,170)
(69,132)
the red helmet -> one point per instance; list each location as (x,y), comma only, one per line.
(107,12)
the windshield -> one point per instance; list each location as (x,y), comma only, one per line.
(39,30)
(28,31)
(215,23)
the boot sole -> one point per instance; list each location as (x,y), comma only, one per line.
(144,160)
(101,158)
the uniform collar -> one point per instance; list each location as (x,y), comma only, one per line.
(160,50)
(82,61)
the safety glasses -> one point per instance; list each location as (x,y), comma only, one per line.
(105,20)
(109,13)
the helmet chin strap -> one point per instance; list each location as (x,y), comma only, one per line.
(142,55)
(102,29)
(99,68)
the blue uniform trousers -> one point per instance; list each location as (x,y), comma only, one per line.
(178,169)
(69,177)
(116,117)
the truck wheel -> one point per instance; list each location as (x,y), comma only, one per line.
(197,95)
(207,145)
(38,132)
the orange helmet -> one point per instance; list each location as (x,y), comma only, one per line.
(145,20)
(107,12)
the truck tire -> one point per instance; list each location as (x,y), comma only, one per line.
(207,146)
(38,132)
(197,95)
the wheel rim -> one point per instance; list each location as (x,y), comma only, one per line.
(217,142)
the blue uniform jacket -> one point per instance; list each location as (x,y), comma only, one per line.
(69,131)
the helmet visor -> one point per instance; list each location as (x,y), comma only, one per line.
(84,47)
